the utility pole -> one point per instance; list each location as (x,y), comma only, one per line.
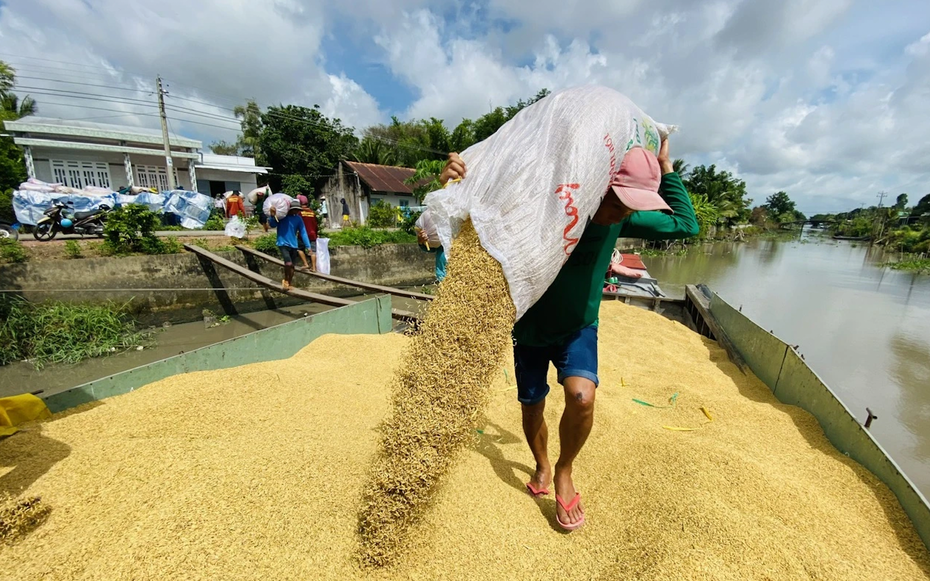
(164,132)
(881,216)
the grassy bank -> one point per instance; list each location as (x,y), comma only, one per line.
(56,332)
(919,264)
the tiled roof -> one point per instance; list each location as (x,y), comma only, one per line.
(383,178)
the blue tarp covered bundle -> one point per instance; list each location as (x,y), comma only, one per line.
(192,208)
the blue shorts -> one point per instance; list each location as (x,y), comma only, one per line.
(289,255)
(575,357)
(300,245)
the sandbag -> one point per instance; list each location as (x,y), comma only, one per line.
(322,255)
(252,197)
(533,185)
(426,224)
(277,205)
(235,228)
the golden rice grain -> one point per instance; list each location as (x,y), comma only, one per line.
(19,516)
(437,393)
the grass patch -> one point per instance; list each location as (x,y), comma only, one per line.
(918,264)
(368,237)
(73,249)
(57,332)
(11,251)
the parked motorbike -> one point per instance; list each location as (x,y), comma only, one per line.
(60,218)
(8,231)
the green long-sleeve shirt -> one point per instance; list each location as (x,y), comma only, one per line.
(573,300)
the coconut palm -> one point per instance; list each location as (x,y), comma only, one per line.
(681,168)
(11,108)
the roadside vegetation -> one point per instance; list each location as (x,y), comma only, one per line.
(919,264)
(11,251)
(57,332)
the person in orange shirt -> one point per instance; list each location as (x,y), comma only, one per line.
(235,205)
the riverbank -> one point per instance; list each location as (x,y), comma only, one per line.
(178,287)
(919,265)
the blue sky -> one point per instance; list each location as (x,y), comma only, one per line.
(824,99)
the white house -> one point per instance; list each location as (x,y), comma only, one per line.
(81,153)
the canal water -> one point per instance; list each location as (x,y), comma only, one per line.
(864,328)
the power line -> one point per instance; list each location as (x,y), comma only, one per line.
(33,58)
(111,87)
(82,106)
(82,94)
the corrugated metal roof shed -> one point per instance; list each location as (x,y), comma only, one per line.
(383,178)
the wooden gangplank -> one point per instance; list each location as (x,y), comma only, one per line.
(276,286)
(338,279)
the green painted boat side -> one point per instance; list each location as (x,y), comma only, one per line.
(372,316)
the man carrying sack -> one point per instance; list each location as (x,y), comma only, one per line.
(645,199)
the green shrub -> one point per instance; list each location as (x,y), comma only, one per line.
(381,215)
(367,238)
(409,222)
(215,222)
(126,229)
(73,249)
(267,243)
(6,205)
(62,332)
(11,251)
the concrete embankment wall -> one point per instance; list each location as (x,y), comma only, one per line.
(173,287)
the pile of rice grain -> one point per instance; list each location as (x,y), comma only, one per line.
(19,516)
(438,391)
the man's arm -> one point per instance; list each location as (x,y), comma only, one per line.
(660,226)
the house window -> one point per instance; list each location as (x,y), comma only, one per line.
(80,174)
(152,176)
(404,203)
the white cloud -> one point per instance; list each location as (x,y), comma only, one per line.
(824,99)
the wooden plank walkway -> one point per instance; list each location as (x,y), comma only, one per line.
(276,286)
(338,279)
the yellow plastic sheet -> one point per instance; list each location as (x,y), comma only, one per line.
(19,409)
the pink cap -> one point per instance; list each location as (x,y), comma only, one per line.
(637,181)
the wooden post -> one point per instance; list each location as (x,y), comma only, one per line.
(221,295)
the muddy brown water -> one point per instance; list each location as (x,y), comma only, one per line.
(864,328)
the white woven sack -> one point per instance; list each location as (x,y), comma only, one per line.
(425,223)
(533,186)
(322,255)
(277,205)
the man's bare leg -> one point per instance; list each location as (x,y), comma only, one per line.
(574,428)
(303,257)
(288,276)
(313,261)
(537,435)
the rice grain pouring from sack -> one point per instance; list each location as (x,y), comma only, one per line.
(530,191)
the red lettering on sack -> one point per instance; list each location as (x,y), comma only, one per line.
(565,194)
(609,144)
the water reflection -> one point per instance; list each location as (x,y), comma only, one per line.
(911,370)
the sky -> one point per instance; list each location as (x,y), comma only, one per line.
(824,99)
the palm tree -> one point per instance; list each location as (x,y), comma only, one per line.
(373,150)
(11,108)
(681,168)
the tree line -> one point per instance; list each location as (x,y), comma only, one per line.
(303,146)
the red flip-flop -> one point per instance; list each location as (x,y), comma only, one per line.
(536,492)
(568,508)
